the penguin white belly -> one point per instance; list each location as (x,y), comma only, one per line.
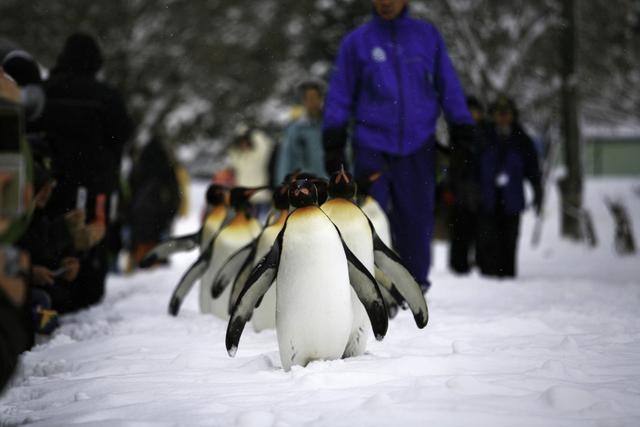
(313,294)
(378,218)
(264,317)
(208,232)
(356,233)
(226,244)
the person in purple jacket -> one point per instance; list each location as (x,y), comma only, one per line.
(507,160)
(391,80)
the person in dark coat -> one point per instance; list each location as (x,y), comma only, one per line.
(465,209)
(392,78)
(14,336)
(50,245)
(508,159)
(87,125)
(22,68)
(155,197)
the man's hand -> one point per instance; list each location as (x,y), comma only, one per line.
(42,276)
(538,198)
(72,267)
(334,141)
(333,160)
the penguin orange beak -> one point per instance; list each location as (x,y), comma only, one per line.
(342,176)
(304,191)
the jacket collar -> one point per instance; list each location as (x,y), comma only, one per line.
(404,15)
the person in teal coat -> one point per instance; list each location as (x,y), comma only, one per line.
(302,145)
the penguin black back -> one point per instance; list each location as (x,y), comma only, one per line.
(281,198)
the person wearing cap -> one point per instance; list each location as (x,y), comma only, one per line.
(392,79)
(508,159)
(302,145)
(24,70)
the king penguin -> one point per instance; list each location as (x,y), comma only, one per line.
(216,213)
(238,232)
(372,208)
(314,271)
(236,270)
(380,221)
(398,286)
(356,232)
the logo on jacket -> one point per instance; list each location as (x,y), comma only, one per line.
(378,54)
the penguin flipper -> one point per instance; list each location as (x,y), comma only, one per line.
(258,283)
(392,298)
(194,272)
(391,265)
(169,247)
(230,268)
(241,278)
(386,285)
(366,287)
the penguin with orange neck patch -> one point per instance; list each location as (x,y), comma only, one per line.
(362,238)
(372,208)
(236,270)
(242,229)
(314,309)
(217,213)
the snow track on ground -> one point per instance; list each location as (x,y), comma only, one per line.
(558,347)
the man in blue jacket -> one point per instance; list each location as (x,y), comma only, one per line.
(392,78)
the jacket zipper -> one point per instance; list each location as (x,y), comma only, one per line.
(396,65)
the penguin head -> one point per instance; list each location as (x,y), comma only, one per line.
(321,184)
(364,183)
(322,187)
(303,193)
(216,195)
(281,197)
(342,185)
(240,196)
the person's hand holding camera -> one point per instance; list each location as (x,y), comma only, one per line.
(42,276)
(72,268)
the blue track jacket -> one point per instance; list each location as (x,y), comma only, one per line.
(392,78)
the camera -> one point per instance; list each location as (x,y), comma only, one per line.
(11,260)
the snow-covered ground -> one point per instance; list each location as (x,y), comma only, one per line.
(560,346)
